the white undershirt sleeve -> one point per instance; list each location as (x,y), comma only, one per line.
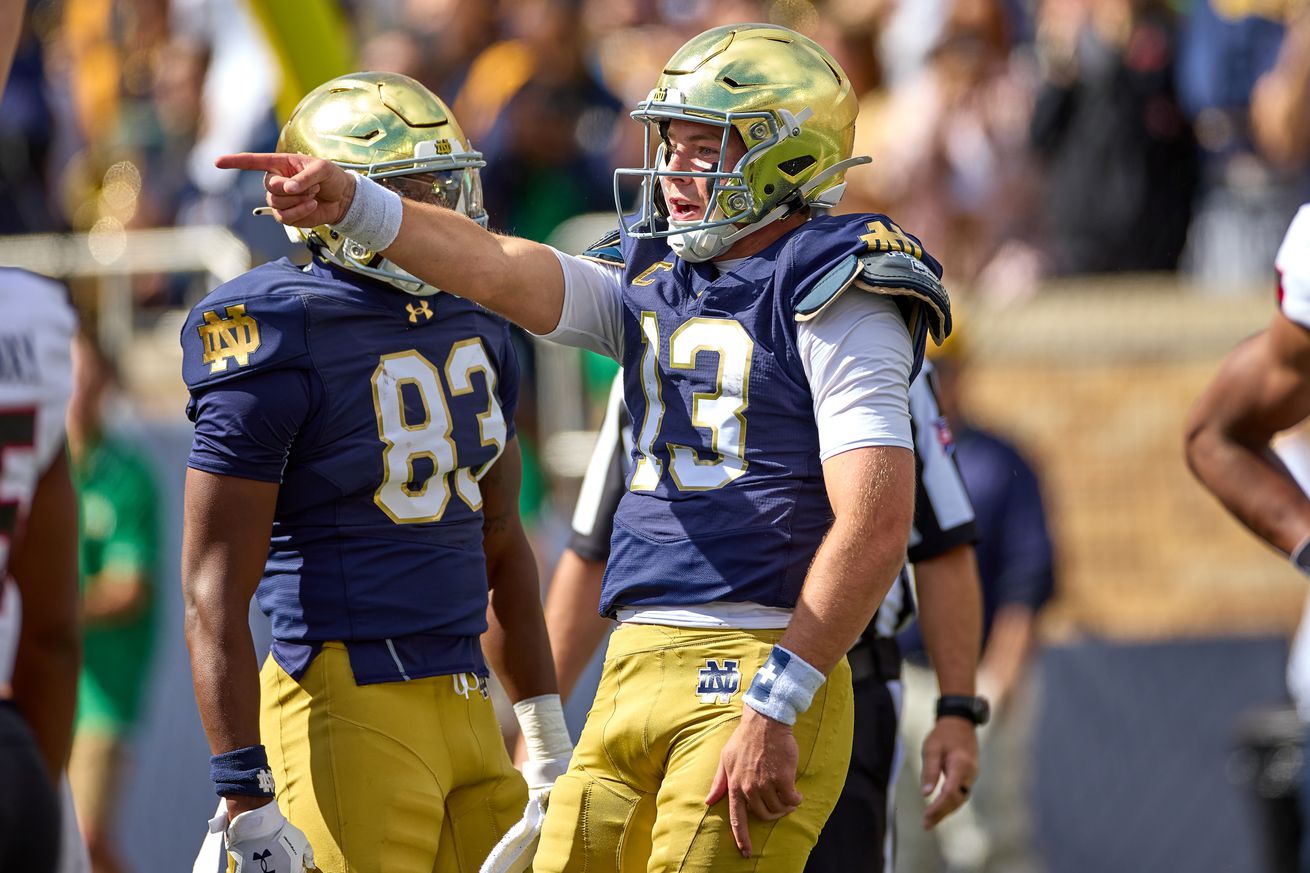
(857,356)
(1293,265)
(592,316)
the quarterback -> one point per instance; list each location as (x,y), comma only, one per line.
(355,467)
(767,349)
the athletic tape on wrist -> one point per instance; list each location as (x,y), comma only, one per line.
(373,219)
(544,731)
(242,771)
(784,686)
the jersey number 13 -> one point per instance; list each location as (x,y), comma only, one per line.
(722,411)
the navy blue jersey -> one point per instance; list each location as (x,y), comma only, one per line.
(726,500)
(377,412)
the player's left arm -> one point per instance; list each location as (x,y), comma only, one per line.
(1262,388)
(871,490)
(516,644)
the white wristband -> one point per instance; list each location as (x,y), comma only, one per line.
(373,219)
(784,686)
(544,732)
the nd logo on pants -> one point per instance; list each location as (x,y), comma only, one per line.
(633,798)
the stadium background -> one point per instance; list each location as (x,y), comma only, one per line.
(1105,180)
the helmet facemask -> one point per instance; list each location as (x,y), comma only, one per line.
(730,202)
(788,101)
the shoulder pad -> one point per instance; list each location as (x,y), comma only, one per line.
(828,288)
(243,327)
(900,274)
(605,250)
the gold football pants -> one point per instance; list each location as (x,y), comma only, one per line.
(398,777)
(633,799)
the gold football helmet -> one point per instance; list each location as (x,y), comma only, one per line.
(390,128)
(793,108)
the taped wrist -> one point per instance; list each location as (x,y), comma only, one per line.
(544,732)
(784,687)
(242,771)
(373,219)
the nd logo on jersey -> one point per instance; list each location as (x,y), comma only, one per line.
(717,684)
(233,337)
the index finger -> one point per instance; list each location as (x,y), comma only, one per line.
(252,161)
(738,819)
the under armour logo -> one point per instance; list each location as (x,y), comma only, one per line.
(767,675)
(262,858)
(415,311)
(265,779)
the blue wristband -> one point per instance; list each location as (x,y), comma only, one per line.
(242,771)
(784,686)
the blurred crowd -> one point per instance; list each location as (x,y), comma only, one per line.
(1020,139)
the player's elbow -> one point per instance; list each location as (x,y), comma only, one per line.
(875,543)
(53,642)
(1203,443)
(1195,437)
(208,614)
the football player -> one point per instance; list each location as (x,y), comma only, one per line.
(1262,388)
(949,608)
(767,350)
(355,467)
(38,552)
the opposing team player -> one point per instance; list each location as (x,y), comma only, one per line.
(355,466)
(767,351)
(38,552)
(1262,388)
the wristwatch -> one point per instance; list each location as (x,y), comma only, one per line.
(976,709)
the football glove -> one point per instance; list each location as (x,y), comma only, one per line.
(549,749)
(212,857)
(515,851)
(256,841)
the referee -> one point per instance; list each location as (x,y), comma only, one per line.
(944,577)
